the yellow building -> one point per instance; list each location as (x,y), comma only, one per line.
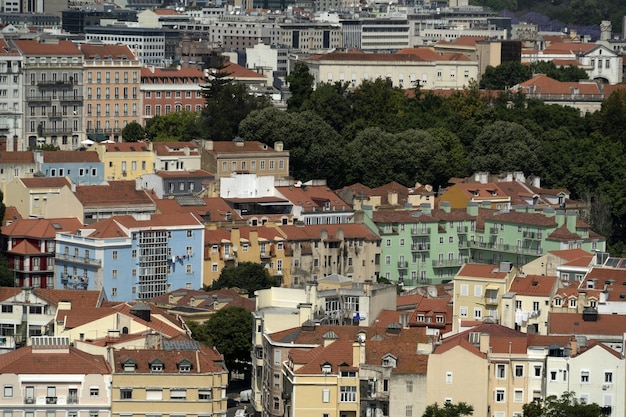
(478,290)
(246,244)
(179,378)
(488,195)
(125,161)
(112,100)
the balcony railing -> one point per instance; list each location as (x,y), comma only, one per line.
(79,259)
(56,131)
(420,247)
(55,84)
(420,231)
(71,98)
(462,230)
(533,235)
(72,400)
(496,247)
(51,400)
(403,264)
(29,400)
(446,263)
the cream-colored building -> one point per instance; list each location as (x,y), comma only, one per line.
(478,291)
(526,305)
(112,74)
(43,197)
(403,69)
(125,161)
(178,378)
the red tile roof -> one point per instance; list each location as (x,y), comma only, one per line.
(202,361)
(215,206)
(78,298)
(41,228)
(75,362)
(568,48)
(175,148)
(39,182)
(313,197)
(313,232)
(92,51)
(151,73)
(18,157)
(167,12)
(572,323)
(537,285)
(239,146)
(237,72)
(33,47)
(481,271)
(125,146)
(113,193)
(542,84)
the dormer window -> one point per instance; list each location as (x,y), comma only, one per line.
(389,360)
(129,365)
(557,302)
(184,366)
(156,366)
(327,368)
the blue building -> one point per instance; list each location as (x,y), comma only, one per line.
(81,167)
(132,259)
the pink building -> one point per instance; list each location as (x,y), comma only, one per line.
(165,90)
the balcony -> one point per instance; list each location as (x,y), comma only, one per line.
(29,400)
(39,99)
(79,259)
(491,301)
(4,127)
(403,264)
(265,255)
(420,231)
(56,131)
(56,84)
(447,263)
(72,400)
(462,230)
(533,235)
(493,231)
(56,115)
(51,400)
(71,98)
(420,247)
(506,248)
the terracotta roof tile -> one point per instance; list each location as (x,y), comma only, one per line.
(244,146)
(39,182)
(33,47)
(571,323)
(313,232)
(237,72)
(19,157)
(481,271)
(91,51)
(113,193)
(78,298)
(201,361)
(27,361)
(537,285)
(41,228)
(125,146)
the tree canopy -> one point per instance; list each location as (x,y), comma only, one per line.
(566,405)
(247,276)
(448,410)
(229,330)
(133,132)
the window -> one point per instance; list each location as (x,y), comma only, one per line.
(519,371)
(553,375)
(7,308)
(478,290)
(325,395)
(178,394)
(114,273)
(214,267)
(500,395)
(584,377)
(464,289)
(608,377)
(500,371)
(408,411)
(126,393)
(409,386)
(347,394)
(188,269)
(478,312)
(114,254)
(463,311)
(448,377)
(8,391)
(537,371)
(518,396)
(94,392)
(205,394)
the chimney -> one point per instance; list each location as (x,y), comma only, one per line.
(445,206)
(113,334)
(305,312)
(358,350)
(574,345)
(216,303)
(472,208)
(278,146)
(425,208)
(392,198)
(548,212)
(582,301)
(208,145)
(560,218)
(484,342)
(570,219)
(367,287)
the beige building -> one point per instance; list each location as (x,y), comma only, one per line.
(42,197)
(527,303)
(478,291)
(177,378)
(239,156)
(112,78)
(403,69)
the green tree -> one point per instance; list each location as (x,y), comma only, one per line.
(230,329)
(561,73)
(133,132)
(300,85)
(505,75)
(173,127)
(565,405)
(227,104)
(448,410)
(199,332)
(332,102)
(247,276)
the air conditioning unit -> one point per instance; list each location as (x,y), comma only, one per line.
(605,387)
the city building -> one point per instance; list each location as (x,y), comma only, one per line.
(125,160)
(176,156)
(84,168)
(30,196)
(165,90)
(52,376)
(526,305)
(11,98)
(112,80)
(53,92)
(17,164)
(31,247)
(239,156)
(165,252)
(187,183)
(178,376)
(311,37)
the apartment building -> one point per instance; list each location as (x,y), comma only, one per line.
(11,98)
(31,247)
(527,303)
(165,252)
(52,377)
(125,161)
(84,168)
(31,197)
(16,164)
(312,37)
(239,156)
(112,79)
(176,156)
(177,376)
(165,90)
(242,32)
(403,69)
(53,92)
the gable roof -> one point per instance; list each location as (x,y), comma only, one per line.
(41,182)
(542,84)
(34,47)
(534,285)
(104,51)
(41,228)
(73,362)
(113,193)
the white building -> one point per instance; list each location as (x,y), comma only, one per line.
(148,45)
(11,98)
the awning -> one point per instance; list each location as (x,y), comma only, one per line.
(97,137)
(493,287)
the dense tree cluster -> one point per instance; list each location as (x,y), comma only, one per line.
(566,405)
(249,276)
(377,133)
